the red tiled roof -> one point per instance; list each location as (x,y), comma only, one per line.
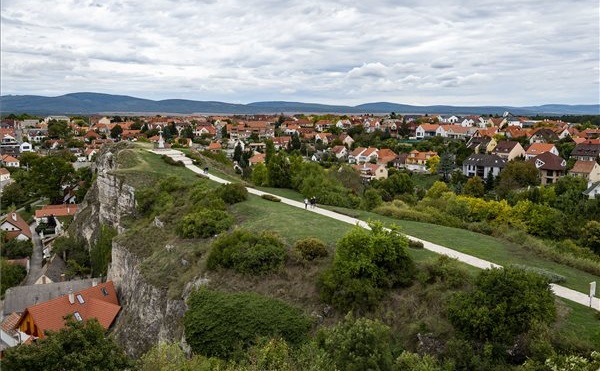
(583,167)
(10,322)
(56,210)
(539,148)
(257,158)
(214,146)
(4,171)
(20,223)
(50,315)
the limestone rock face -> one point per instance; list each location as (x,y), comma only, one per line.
(147,315)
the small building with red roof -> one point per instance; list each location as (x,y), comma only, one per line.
(15,227)
(99,302)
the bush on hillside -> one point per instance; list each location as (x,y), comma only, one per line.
(271,198)
(311,248)
(205,223)
(248,252)
(232,193)
(170,161)
(221,324)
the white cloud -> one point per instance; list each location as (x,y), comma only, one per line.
(514,52)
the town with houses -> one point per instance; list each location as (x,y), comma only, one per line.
(488,144)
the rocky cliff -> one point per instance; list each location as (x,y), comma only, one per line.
(147,315)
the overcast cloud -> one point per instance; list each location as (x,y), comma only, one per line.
(467,52)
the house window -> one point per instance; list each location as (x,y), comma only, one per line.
(77,316)
(80,299)
(104,292)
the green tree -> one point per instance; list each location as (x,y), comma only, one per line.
(11,275)
(15,249)
(590,236)
(260,175)
(365,265)
(279,173)
(446,165)
(371,199)
(14,194)
(58,129)
(27,158)
(505,303)
(48,174)
(295,143)
(237,153)
(269,151)
(517,174)
(358,344)
(474,187)
(204,223)
(77,346)
(116,131)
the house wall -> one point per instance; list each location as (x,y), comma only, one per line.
(29,327)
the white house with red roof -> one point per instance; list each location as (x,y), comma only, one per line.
(16,227)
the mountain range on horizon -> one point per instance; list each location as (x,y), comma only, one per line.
(99,103)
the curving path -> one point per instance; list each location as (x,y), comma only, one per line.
(559,291)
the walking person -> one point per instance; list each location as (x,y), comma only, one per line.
(313,201)
(305,203)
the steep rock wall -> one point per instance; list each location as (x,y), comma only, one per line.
(147,315)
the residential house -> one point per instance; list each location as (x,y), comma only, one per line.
(16,227)
(589,170)
(25,147)
(455,132)
(9,161)
(89,153)
(417,161)
(509,150)
(370,171)
(99,302)
(214,147)
(281,142)
(489,132)
(513,132)
(543,135)
(587,151)
(428,131)
(362,155)
(496,122)
(385,156)
(62,210)
(593,190)
(258,158)
(482,144)
(538,148)
(4,175)
(339,151)
(346,140)
(400,161)
(482,165)
(550,167)
(9,336)
(322,137)
(590,133)
(205,130)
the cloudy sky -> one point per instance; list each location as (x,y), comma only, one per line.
(468,52)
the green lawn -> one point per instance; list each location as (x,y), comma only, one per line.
(581,323)
(482,246)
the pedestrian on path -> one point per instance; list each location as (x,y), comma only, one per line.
(305,203)
(313,202)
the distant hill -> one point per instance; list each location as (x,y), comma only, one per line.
(96,103)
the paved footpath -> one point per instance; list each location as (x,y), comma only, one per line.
(559,291)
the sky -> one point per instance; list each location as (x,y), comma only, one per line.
(423,52)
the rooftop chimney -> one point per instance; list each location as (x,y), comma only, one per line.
(71,296)
(14,216)
(94,282)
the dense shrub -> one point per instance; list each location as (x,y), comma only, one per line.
(170,161)
(444,270)
(205,223)
(504,304)
(358,344)
(413,244)
(232,193)
(366,264)
(15,249)
(311,248)
(248,252)
(100,252)
(10,275)
(271,197)
(219,324)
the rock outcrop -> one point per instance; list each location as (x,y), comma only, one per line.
(148,315)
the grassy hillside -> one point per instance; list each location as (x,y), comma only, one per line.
(409,311)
